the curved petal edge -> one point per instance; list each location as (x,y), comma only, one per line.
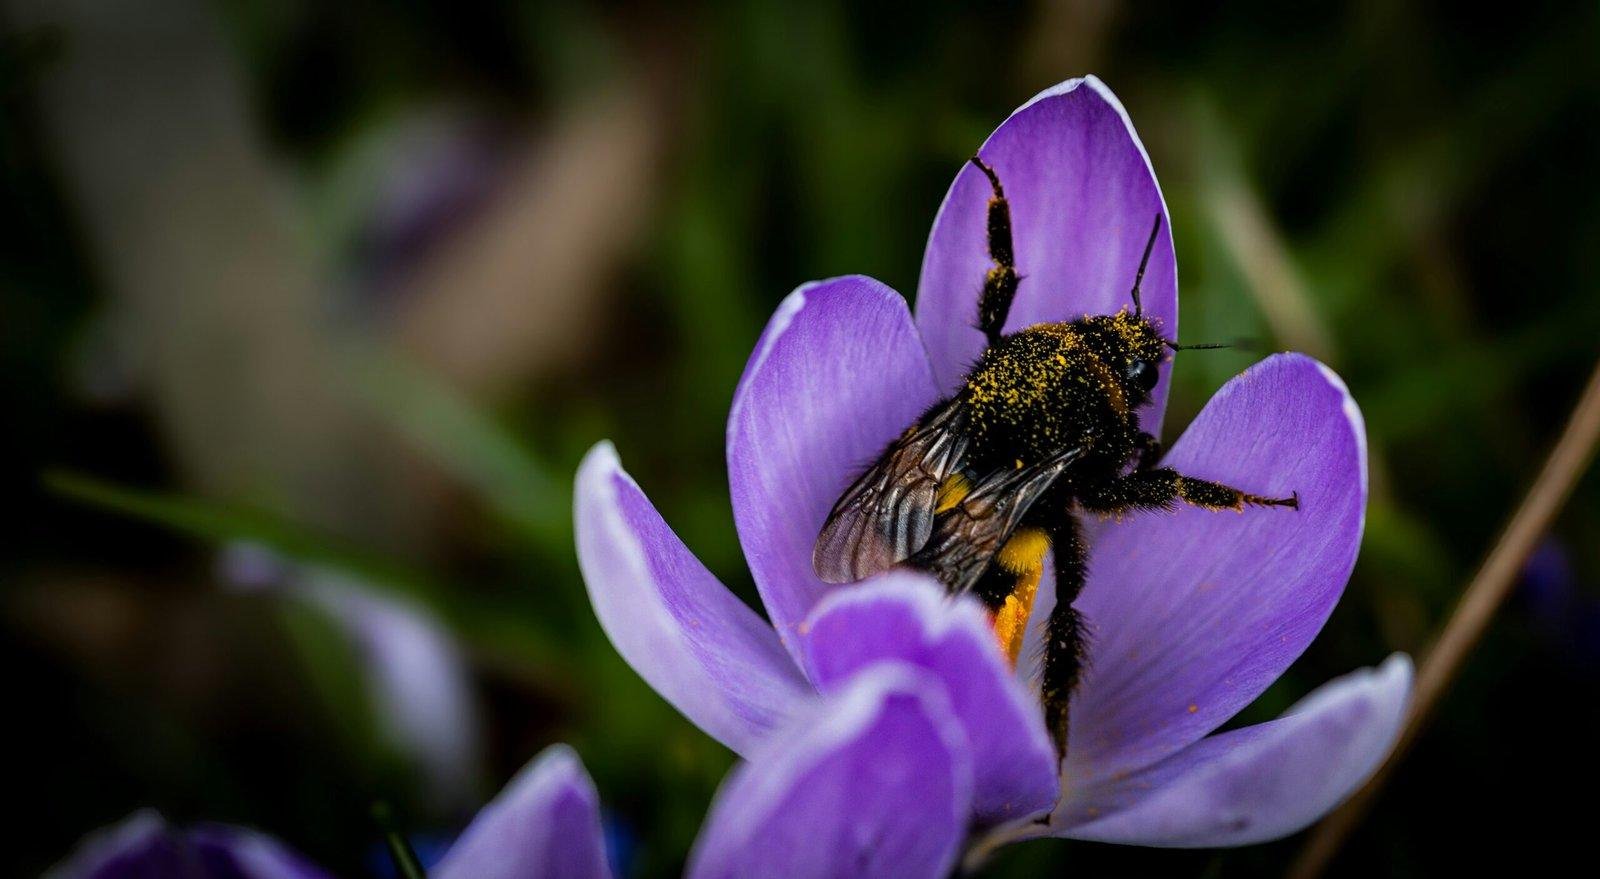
(838,373)
(907,617)
(1256,783)
(544,825)
(1083,197)
(1195,612)
(144,844)
(876,780)
(691,639)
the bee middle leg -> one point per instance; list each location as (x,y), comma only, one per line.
(1162,487)
(1000,284)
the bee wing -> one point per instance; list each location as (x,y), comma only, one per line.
(967,536)
(888,513)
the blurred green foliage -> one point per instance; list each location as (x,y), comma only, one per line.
(1404,189)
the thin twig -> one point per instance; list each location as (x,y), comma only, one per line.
(1471,618)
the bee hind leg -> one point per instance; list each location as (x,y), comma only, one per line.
(1000,284)
(1066,633)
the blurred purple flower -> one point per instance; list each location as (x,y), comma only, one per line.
(1546,587)
(1550,593)
(415,674)
(145,845)
(1194,614)
(546,823)
(414,181)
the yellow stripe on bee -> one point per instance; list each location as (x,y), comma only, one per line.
(953,490)
(1024,552)
(1023,556)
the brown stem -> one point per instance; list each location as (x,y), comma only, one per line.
(1483,596)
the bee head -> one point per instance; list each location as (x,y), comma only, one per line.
(1131,345)
(1144,346)
(1138,348)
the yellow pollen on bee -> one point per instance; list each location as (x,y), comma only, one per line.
(1023,556)
(953,490)
(1108,383)
(1024,375)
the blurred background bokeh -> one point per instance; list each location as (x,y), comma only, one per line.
(308,311)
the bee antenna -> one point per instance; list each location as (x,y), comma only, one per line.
(1203,347)
(1138,307)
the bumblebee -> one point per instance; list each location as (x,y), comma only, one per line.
(986,482)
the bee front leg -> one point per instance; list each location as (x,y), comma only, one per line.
(1000,284)
(1161,488)
(1149,450)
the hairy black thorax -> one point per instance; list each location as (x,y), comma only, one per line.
(1058,385)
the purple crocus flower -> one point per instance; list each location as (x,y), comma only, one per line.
(1193,613)
(544,825)
(145,845)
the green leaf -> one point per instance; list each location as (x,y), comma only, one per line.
(471,446)
(225,523)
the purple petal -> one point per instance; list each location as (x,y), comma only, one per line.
(546,823)
(1257,783)
(695,642)
(417,678)
(838,373)
(1083,197)
(874,781)
(907,617)
(144,846)
(415,673)
(1194,613)
(239,853)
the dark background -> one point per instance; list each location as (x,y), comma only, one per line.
(361,282)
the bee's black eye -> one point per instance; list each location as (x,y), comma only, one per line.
(1143,374)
